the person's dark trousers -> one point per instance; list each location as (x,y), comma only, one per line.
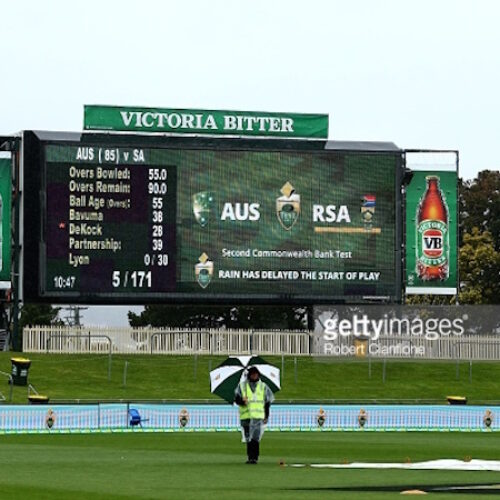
(253,450)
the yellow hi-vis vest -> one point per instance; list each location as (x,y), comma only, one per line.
(256,401)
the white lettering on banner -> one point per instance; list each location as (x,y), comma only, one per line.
(127,117)
(230,123)
(257,123)
(251,121)
(145,120)
(172,120)
(188,121)
(199,121)
(274,125)
(210,123)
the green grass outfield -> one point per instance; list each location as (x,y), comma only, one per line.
(210,465)
(186,377)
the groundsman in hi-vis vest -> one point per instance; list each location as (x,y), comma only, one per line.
(254,398)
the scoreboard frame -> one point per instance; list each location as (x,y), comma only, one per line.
(33,203)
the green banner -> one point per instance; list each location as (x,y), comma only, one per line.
(5,200)
(431,233)
(192,121)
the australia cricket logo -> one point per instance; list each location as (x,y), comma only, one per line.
(204,270)
(203,203)
(288,206)
(368,209)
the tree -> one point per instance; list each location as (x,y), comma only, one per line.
(479,205)
(431,300)
(479,265)
(39,314)
(259,317)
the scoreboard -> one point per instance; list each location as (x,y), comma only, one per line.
(130,219)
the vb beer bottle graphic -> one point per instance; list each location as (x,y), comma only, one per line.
(432,246)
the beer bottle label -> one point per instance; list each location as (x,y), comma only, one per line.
(432,242)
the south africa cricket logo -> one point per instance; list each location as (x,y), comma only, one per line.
(203,203)
(368,209)
(288,206)
(204,270)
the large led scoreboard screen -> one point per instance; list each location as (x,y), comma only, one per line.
(142,223)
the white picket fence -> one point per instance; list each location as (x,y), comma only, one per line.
(71,340)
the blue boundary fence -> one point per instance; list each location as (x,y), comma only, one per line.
(210,418)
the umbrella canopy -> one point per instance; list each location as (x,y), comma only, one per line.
(226,377)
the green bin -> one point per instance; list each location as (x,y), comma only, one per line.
(20,369)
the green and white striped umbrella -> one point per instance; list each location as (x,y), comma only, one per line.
(226,377)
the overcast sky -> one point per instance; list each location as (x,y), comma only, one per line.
(422,74)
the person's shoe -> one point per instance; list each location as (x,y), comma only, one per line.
(248,461)
(253,461)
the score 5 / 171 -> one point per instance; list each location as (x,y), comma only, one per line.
(132,279)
